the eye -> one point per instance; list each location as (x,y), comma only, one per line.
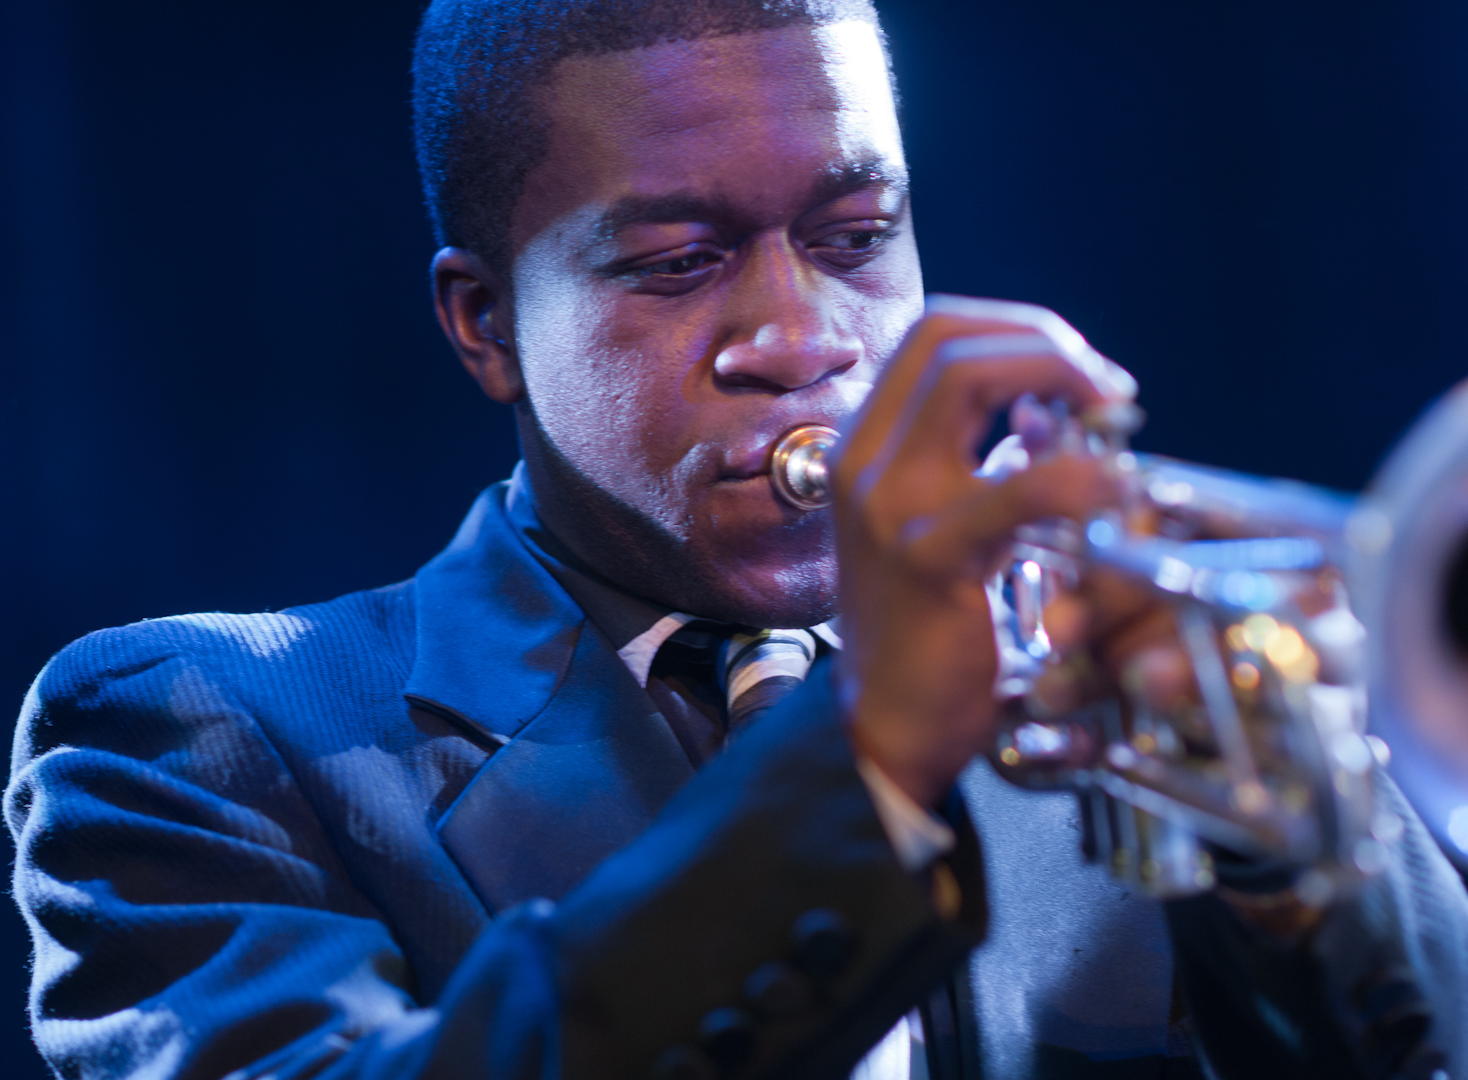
(858,240)
(682,264)
(854,243)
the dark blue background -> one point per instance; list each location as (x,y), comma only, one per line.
(221,386)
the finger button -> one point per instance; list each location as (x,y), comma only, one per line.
(823,943)
(778,992)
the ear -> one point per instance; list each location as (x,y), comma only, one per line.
(474,309)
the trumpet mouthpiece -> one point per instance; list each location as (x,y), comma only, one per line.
(798,466)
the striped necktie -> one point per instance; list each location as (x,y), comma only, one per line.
(757,668)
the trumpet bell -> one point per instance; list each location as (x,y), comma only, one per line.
(1408,573)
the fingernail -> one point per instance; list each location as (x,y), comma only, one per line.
(983,346)
(1123,382)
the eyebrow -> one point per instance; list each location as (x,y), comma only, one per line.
(661,210)
(858,176)
(686,206)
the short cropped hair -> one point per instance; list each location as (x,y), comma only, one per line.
(478,64)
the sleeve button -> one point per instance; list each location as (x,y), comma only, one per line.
(726,1036)
(824,942)
(684,1063)
(777,991)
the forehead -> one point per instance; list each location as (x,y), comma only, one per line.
(747,117)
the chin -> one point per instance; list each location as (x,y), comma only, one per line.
(783,589)
(732,552)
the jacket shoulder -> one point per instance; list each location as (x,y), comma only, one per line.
(143,668)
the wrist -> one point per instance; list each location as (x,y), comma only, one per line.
(911,768)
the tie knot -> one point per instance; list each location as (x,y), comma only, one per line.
(759,667)
(754,669)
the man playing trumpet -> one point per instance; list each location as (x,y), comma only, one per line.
(484,824)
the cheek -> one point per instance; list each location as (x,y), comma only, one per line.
(902,286)
(883,301)
(604,385)
(885,308)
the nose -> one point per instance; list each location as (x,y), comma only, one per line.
(785,329)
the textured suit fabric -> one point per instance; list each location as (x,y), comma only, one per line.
(1310,1010)
(242,847)
(316,842)
(1075,965)
(1075,977)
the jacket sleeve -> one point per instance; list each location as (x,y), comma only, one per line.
(191,919)
(1378,989)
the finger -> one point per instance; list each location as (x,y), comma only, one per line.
(1067,621)
(1059,689)
(1162,676)
(1120,617)
(1149,627)
(1114,381)
(952,317)
(1116,599)
(890,400)
(972,378)
(951,536)
(946,418)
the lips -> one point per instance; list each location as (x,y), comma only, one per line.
(746,463)
(751,459)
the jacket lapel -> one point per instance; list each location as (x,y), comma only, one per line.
(583,779)
(494,632)
(587,761)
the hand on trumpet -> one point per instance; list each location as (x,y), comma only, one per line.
(922,533)
(1113,632)
(919,534)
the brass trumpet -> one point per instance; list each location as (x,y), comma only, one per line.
(1275,760)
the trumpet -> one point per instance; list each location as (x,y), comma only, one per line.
(1296,606)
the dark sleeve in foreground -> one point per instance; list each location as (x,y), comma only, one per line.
(192,920)
(1351,1001)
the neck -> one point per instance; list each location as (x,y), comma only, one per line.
(635,553)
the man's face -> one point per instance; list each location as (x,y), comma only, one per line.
(716,248)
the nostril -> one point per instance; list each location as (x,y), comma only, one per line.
(782,365)
(749,381)
(779,378)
